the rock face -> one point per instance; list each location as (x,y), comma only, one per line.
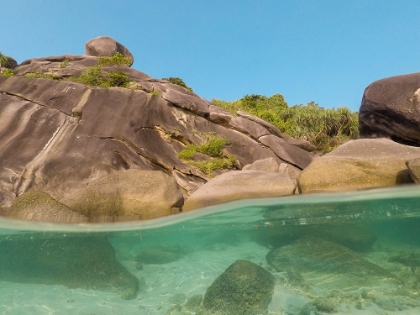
(414,169)
(391,108)
(105,47)
(61,137)
(326,264)
(359,164)
(86,262)
(128,195)
(244,288)
(237,185)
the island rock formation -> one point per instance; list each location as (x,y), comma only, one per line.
(91,149)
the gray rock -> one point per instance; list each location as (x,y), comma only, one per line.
(414,169)
(10,64)
(248,127)
(287,152)
(265,165)
(219,115)
(236,185)
(244,288)
(391,108)
(326,265)
(194,302)
(292,171)
(105,47)
(359,164)
(193,103)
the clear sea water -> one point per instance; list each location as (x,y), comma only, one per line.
(92,268)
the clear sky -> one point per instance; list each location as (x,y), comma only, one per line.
(325,51)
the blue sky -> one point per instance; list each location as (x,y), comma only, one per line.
(325,51)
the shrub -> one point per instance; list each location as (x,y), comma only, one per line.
(40,75)
(64,63)
(212,147)
(8,73)
(116,60)
(325,128)
(94,76)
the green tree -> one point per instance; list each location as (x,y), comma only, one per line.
(177,81)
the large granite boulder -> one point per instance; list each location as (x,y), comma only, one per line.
(39,206)
(243,289)
(391,108)
(128,195)
(75,261)
(60,137)
(237,185)
(359,164)
(414,169)
(104,46)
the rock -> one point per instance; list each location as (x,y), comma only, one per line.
(413,166)
(303,144)
(132,194)
(75,261)
(193,303)
(326,265)
(105,47)
(219,115)
(266,165)
(52,127)
(292,171)
(178,298)
(10,64)
(157,255)
(244,288)
(39,206)
(190,102)
(237,185)
(359,164)
(287,152)
(391,108)
(248,127)
(354,237)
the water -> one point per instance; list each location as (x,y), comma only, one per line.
(347,253)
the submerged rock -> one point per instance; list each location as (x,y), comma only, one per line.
(243,289)
(326,264)
(354,237)
(86,262)
(158,255)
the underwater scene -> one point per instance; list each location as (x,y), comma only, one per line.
(341,253)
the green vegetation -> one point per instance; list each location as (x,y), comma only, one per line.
(64,63)
(40,75)
(177,81)
(324,128)
(154,92)
(212,147)
(4,62)
(95,76)
(117,60)
(8,73)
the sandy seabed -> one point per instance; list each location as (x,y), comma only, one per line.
(174,283)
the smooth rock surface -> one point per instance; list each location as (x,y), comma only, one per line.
(391,108)
(326,264)
(236,185)
(131,194)
(414,169)
(244,288)
(265,165)
(359,164)
(104,46)
(39,206)
(75,261)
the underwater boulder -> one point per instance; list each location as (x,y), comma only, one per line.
(86,262)
(326,264)
(157,255)
(243,289)
(354,237)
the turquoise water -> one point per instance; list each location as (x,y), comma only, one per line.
(347,253)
